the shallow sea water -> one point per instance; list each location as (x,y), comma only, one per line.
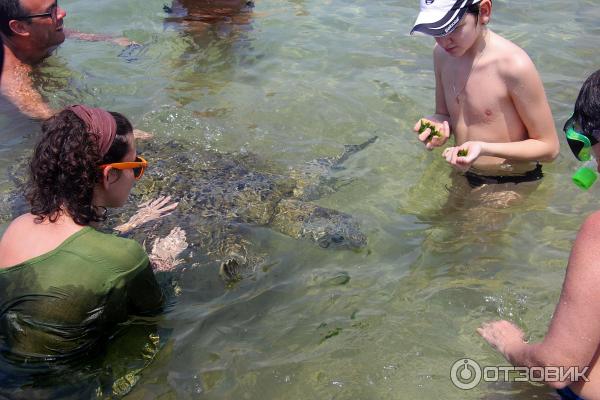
(297,82)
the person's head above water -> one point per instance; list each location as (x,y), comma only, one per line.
(441,17)
(84,162)
(587,106)
(32,28)
(583,128)
(456,25)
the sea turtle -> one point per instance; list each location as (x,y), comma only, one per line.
(219,193)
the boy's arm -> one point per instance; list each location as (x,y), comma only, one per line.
(441,118)
(527,94)
(441,109)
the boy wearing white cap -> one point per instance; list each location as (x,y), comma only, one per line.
(488,95)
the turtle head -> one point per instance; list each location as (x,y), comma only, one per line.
(333,229)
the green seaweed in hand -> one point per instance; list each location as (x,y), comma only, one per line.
(432,129)
(462,153)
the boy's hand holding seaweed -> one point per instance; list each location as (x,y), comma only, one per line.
(431,132)
(463,156)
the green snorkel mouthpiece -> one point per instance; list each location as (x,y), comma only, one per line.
(586,175)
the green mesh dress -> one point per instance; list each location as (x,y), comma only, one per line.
(59,305)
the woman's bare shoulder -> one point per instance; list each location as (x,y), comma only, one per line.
(13,238)
(26,238)
(19,226)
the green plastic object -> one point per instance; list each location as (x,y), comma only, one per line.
(585,177)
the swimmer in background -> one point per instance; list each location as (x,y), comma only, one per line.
(210,11)
(31,30)
(197,16)
(488,95)
(573,338)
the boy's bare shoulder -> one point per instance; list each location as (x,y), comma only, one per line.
(513,62)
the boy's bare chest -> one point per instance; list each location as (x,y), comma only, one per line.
(478,94)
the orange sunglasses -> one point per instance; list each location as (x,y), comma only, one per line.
(138,166)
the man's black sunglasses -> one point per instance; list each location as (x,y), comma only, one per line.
(52,14)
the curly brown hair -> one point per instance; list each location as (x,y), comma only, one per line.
(64,168)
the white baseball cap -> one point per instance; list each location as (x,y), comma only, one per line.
(440,17)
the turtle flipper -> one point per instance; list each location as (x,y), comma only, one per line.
(350,149)
(326,227)
(314,180)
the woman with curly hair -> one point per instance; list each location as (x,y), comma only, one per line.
(65,284)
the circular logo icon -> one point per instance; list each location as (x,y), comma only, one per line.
(465,374)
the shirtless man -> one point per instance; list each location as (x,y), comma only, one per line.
(31,30)
(488,95)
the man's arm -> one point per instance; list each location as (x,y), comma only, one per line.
(574,334)
(96,37)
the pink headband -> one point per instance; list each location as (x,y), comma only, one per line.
(98,122)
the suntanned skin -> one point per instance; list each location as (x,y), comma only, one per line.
(31,42)
(490,97)
(573,338)
(17,87)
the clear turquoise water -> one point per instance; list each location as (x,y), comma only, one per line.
(298,82)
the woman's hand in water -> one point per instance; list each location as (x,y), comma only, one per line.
(165,250)
(142,135)
(502,335)
(148,211)
(462,157)
(432,131)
